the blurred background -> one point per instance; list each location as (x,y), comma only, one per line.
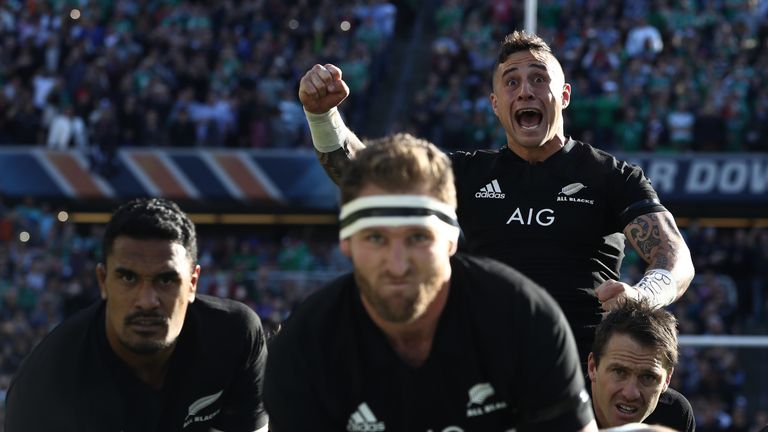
(104,100)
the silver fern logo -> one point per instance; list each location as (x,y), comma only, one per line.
(481,400)
(199,405)
(479,393)
(572,189)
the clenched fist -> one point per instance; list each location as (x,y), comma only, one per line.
(322,88)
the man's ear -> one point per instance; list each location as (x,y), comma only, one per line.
(494,103)
(566,96)
(101,278)
(668,380)
(592,367)
(453,246)
(195,277)
(345,247)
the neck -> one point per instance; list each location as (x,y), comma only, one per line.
(538,153)
(151,369)
(413,340)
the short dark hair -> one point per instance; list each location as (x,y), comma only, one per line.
(648,325)
(398,163)
(520,41)
(151,218)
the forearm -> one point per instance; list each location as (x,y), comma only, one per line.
(334,143)
(657,240)
(335,161)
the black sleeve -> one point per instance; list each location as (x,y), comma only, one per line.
(23,409)
(631,194)
(553,396)
(289,397)
(243,408)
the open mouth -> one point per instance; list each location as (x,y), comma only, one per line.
(529,118)
(626,409)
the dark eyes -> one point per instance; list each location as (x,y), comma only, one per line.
(167,280)
(645,379)
(162,280)
(414,238)
(536,80)
(648,379)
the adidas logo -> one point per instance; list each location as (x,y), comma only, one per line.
(491,190)
(363,420)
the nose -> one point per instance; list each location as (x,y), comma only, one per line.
(630,391)
(397,259)
(146,296)
(526,91)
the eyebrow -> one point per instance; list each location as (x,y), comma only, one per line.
(124,271)
(640,370)
(533,65)
(168,273)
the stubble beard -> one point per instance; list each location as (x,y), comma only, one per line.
(145,346)
(407,308)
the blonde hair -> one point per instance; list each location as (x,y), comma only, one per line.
(398,163)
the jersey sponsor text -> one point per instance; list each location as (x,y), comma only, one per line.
(543,217)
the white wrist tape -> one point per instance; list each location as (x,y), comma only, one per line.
(328,130)
(659,286)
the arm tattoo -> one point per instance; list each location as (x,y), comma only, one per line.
(335,161)
(655,237)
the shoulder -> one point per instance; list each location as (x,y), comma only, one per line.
(224,309)
(462,160)
(321,328)
(586,154)
(321,311)
(222,316)
(55,369)
(61,348)
(673,410)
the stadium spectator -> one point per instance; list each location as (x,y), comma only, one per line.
(149,54)
(153,354)
(413,317)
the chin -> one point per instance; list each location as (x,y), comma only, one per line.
(147,347)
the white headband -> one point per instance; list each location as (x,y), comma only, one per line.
(398,210)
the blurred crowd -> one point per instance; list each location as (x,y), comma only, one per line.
(98,75)
(47,273)
(647,75)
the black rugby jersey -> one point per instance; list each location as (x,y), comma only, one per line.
(559,221)
(674,411)
(73,382)
(502,357)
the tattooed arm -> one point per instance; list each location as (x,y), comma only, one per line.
(657,240)
(335,161)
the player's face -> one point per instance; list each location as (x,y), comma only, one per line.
(148,285)
(628,382)
(529,95)
(399,270)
